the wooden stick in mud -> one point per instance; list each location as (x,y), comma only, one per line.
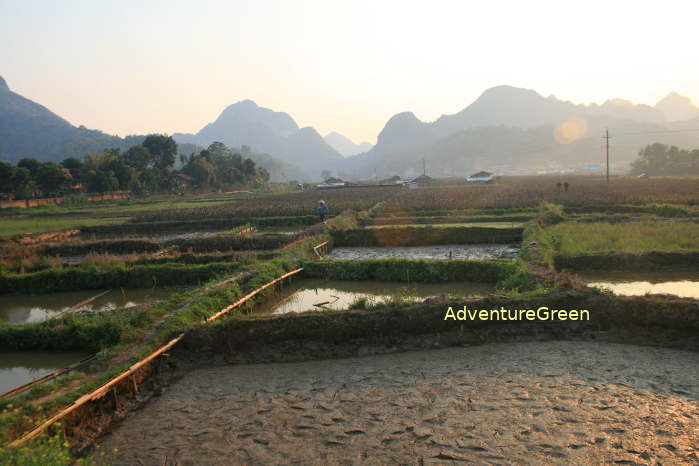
(86,301)
(95,394)
(46,378)
(101,391)
(321,245)
(248,296)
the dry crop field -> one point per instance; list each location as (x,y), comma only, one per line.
(282,205)
(528,192)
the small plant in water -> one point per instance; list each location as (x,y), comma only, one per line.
(359,303)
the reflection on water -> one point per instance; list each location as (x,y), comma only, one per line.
(685,285)
(190,235)
(306,295)
(18,368)
(36,308)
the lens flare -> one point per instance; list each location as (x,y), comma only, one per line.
(570,130)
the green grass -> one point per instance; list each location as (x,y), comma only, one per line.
(59,217)
(401,235)
(112,207)
(43,224)
(448,225)
(156,205)
(632,237)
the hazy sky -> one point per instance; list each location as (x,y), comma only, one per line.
(137,66)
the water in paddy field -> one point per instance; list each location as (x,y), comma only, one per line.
(440,252)
(280,230)
(307,295)
(684,285)
(37,308)
(191,235)
(18,368)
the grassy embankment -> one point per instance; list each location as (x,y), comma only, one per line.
(425,236)
(122,339)
(556,240)
(59,217)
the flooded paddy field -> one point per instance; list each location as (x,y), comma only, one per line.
(18,368)
(681,284)
(440,252)
(165,237)
(307,294)
(22,309)
(505,403)
(283,230)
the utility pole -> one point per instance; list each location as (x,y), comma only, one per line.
(606,137)
(424,167)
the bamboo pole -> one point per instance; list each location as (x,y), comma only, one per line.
(321,245)
(86,301)
(102,390)
(95,394)
(46,378)
(249,296)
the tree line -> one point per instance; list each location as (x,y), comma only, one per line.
(145,168)
(662,160)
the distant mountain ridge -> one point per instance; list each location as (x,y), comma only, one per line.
(505,130)
(344,145)
(508,127)
(28,129)
(505,106)
(246,124)
(677,107)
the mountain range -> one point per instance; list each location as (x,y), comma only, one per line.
(345,145)
(28,129)
(246,124)
(506,130)
(514,130)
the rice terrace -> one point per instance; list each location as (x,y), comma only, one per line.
(356,232)
(227,329)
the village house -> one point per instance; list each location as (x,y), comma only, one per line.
(481,177)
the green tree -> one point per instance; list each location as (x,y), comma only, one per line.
(659,159)
(22,183)
(138,157)
(103,181)
(202,171)
(76,167)
(249,168)
(72,163)
(163,150)
(30,164)
(51,177)
(7,177)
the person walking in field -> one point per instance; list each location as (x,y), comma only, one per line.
(322,211)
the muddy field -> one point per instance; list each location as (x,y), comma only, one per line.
(457,251)
(522,403)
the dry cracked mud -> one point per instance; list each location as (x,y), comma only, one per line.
(507,403)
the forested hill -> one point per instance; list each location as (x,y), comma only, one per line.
(28,129)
